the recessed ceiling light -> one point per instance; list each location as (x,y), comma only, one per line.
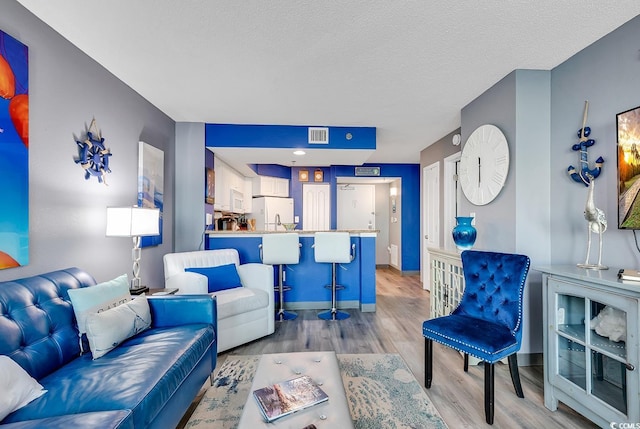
(299,152)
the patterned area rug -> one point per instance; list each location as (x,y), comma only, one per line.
(381,391)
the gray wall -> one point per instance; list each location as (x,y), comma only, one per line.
(189,167)
(608,75)
(67,213)
(518,219)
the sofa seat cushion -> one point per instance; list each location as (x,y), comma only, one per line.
(141,374)
(120,419)
(240,300)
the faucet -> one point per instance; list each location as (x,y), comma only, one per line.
(278,219)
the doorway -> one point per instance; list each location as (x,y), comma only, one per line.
(382,212)
(316,205)
(431,218)
(356,206)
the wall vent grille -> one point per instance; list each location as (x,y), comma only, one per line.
(318,135)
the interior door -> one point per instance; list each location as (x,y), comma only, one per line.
(356,206)
(431,217)
(315,206)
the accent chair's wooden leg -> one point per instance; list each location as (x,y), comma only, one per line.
(428,362)
(515,374)
(466,362)
(488,392)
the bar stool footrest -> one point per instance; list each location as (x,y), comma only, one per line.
(334,315)
(285,315)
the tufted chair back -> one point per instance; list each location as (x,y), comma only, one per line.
(494,283)
(37,324)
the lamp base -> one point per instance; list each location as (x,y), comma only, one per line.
(138,290)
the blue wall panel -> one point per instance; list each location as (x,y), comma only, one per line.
(286,136)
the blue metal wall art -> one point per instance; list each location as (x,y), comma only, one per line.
(585,174)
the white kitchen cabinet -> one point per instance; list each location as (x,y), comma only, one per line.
(229,183)
(595,373)
(267,186)
(248,192)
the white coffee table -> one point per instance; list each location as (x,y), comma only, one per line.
(323,368)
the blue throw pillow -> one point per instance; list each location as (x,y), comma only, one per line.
(219,278)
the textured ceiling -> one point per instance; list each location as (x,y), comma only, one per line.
(405,67)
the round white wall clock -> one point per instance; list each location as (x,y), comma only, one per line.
(484,164)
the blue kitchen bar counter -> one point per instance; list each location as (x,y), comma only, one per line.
(308,278)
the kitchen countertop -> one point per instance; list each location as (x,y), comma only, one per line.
(299,231)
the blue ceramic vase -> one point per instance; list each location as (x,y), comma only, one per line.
(464,234)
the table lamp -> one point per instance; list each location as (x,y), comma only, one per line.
(133,222)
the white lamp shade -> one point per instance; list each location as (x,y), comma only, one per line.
(132,221)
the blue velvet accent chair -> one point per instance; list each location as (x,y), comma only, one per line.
(487,324)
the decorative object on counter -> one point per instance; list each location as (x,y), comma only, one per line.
(289,226)
(151,186)
(318,176)
(597,223)
(464,234)
(585,174)
(611,323)
(93,157)
(252,224)
(303,175)
(133,222)
(227,223)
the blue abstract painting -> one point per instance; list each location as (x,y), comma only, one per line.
(14,153)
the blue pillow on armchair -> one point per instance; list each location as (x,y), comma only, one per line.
(219,278)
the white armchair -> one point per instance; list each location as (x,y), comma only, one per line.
(245,313)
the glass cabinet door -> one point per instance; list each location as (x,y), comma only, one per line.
(590,345)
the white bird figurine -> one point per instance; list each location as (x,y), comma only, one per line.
(597,223)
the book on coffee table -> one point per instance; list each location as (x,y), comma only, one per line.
(287,397)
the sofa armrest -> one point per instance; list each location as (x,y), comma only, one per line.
(173,310)
(257,276)
(188,283)
(260,276)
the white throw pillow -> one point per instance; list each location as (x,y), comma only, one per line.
(17,386)
(107,329)
(97,298)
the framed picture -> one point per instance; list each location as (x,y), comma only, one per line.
(151,185)
(303,175)
(318,176)
(210,186)
(14,153)
(628,130)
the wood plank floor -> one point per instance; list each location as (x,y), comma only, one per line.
(396,327)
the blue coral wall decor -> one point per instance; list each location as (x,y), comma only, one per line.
(14,153)
(93,156)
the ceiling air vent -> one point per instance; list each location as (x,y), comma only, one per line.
(318,135)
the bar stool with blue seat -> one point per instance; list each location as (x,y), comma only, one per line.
(334,248)
(281,249)
(487,323)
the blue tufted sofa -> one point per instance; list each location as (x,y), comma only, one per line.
(148,381)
